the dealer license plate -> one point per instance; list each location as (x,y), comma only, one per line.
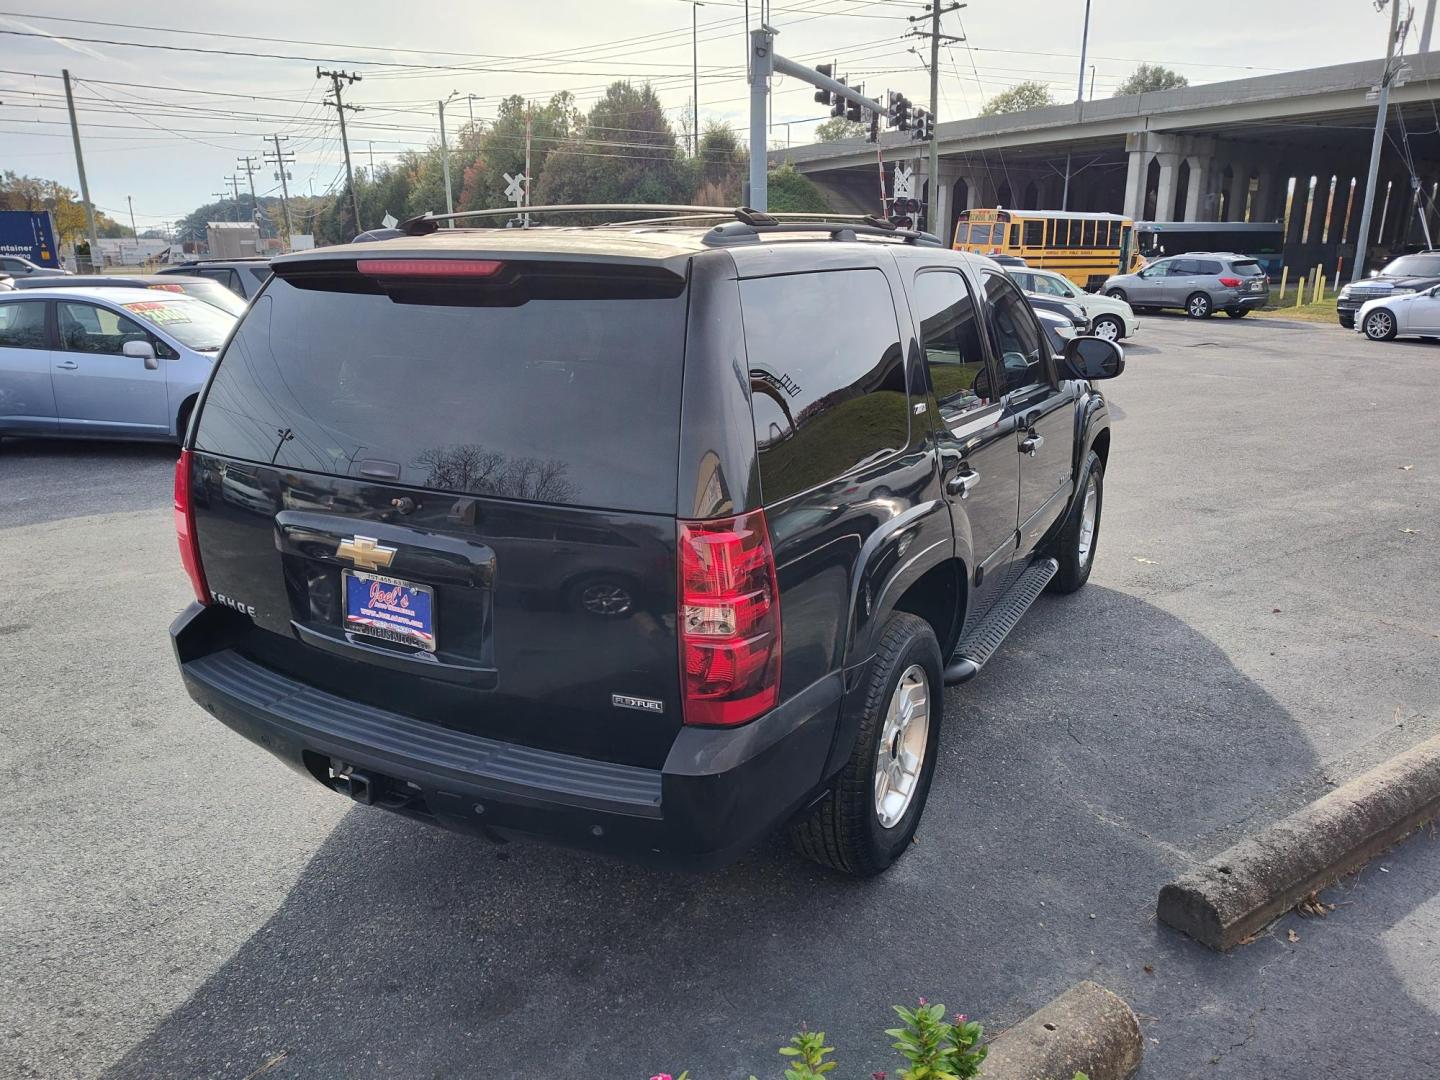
(390,609)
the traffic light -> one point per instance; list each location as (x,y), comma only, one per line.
(854,111)
(828,70)
(837,107)
(898,111)
(924,125)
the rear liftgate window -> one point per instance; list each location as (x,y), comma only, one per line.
(827,376)
(545,382)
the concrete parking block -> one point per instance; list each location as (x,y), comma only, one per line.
(1241,890)
(1086,1029)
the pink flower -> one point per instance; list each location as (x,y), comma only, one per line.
(660,1076)
(960,1018)
(923,1003)
(877,1076)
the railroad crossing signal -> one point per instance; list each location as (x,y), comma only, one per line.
(515,187)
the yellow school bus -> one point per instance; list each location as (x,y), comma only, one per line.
(1086,248)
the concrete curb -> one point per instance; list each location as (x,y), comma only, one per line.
(1086,1029)
(1243,889)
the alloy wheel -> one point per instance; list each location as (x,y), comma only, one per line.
(904,739)
(1085,544)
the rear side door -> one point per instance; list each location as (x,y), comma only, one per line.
(27,399)
(1040,407)
(99,390)
(1181,281)
(980,469)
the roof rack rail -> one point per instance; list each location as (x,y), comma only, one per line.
(738,232)
(428,223)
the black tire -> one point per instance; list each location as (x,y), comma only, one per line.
(1380,325)
(1117,294)
(844,831)
(1237,312)
(1199,306)
(1075,567)
(1347,322)
(182,420)
(1113,323)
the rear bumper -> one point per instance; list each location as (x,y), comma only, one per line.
(718,793)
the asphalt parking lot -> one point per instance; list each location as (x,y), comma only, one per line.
(1263,622)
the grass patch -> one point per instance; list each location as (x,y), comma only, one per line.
(1322,311)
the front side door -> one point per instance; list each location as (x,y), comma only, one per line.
(1039,405)
(979,466)
(1148,287)
(98,389)
(27,399)
(1422,314)
(1182,280)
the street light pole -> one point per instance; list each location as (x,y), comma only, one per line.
(695,6)
(1387,76)
(1079,100)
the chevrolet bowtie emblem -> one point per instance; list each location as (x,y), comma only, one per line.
(365,552)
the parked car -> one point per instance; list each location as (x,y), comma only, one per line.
(1199,283)
(6,283)
(1399,277)
(1110,317)
(1407,314)
(205,289)
(1059,329)
(243,277)
(104,363)
(18,267)
(813,482)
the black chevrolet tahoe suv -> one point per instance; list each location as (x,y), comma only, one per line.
(646,539)
(1407,274)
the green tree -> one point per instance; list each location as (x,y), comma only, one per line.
(33,193)
(1149,77)
(720,166)
(837,129)
(624,153)
(1031,94)
(487,154)
(792,193)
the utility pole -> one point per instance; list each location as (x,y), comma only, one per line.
(1427,26)
(529,126)
(134,232)
(339,105)
(695,6)
(80,168)
(281,159)
(932,203)
(1079,101)
(250,175)
(1387,76)
(445,159)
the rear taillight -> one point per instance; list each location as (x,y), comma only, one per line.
(729,620)
(185,529)
(1231,282)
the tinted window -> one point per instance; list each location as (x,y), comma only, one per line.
(89,329)
(569,398)
(22,326)
(1034,233)
(827,376)
(225,277)
(1208,266)
(1184,266)
(951,338)
(1014,235)
(1014,334)
(1089,234)
(1246,267)
(260,273)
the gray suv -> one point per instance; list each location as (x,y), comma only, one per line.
(1198,282)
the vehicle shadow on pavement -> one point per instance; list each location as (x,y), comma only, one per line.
(1105,747)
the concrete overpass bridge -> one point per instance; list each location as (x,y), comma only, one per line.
(1227,151)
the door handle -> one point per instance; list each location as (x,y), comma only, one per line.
(67,365)
(1031,443)
(961,483)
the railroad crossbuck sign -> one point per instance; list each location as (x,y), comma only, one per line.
(904,182)
(515,187)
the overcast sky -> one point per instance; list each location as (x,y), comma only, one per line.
(159,140)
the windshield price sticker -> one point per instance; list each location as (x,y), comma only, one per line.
(159,312)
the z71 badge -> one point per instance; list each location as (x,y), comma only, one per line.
(644,704)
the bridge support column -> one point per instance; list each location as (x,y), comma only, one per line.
(1239,192)
(1197,188)
(1165,189)
(1135,177)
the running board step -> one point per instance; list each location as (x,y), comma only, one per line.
(980,643)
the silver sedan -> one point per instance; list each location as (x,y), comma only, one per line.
(104,363)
